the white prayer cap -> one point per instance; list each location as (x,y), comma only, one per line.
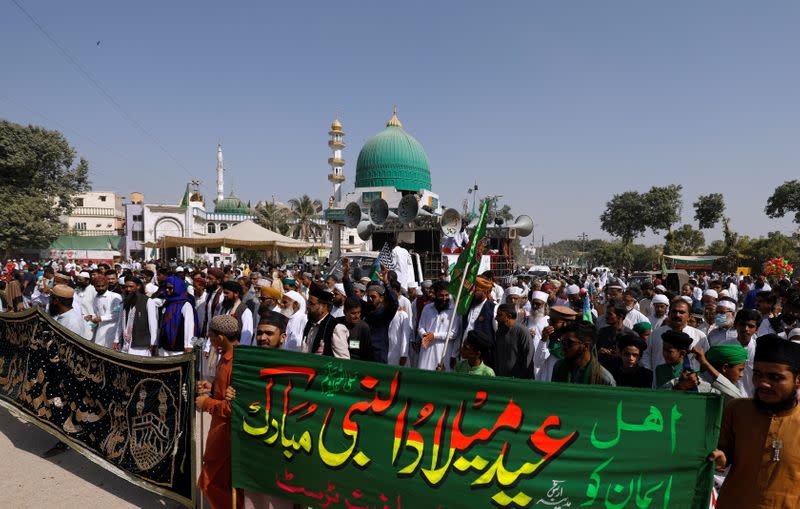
(794,334)
(726,304)
(686,299)
(179,269)
(661,288)
(150,289)
(573,290)
(516,291)
(84,274)
(262,282)
(542,296)
(413,284)
(724,293)
(660,299)
(711,293)
(339,287)
(295,296)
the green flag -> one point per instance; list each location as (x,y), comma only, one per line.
(471,255)
(663,268)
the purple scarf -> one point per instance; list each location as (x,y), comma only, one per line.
(171,321)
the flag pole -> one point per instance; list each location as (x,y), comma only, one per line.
(453,314)
(202,430)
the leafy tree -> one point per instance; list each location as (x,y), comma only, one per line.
(774,245)
(625,217)
(685,240)
(663,207)
(38,185)
(273,217)
(786,198)
(709,210)
(304,214)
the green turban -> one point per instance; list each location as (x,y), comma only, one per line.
(642,327)
(731,355)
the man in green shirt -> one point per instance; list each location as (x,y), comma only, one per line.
(473,349)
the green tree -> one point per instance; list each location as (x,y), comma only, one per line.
(663,207)
(786,198)
(303,216)
(273,217)
(774,245)
(684,240)
(709,210)
(38,185)
(625,217)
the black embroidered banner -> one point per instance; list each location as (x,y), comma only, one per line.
(131,415)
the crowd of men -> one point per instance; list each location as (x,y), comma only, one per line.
(726,334)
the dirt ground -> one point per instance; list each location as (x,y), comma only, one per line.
(67,480)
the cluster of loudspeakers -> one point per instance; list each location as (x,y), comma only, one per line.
(366,222)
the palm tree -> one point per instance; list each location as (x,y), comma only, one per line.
(272,216)
(304,212)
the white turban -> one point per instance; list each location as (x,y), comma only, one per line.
(295,296)
(661,288)
(339,287)
(686,299)
(660,299)
(516,291)
(542,296)
(711,293)
(726,304)
(573,290)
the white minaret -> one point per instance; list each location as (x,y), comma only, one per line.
(336,176)
(220,177)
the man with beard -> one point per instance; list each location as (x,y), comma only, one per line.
(679,322)
(723,328)
(660,305)
(214,277)
(761,436)
(84,295)
(435,334)
(232,305)
(548,351)
(178,320)
(249,298)
(646,302)
(513,352)
(378,311)
(480,316)
(580,365)
(61,310)
(270,300)
(113,281)
(107,307)
(337,311)
(293,307)
(139,321)
(318,333)
(788,319)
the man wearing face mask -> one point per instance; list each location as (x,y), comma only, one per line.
(723,329)
(786,321)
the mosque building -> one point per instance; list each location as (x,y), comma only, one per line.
(390,166)
(189,218)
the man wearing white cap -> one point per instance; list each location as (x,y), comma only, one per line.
(337,310)
(660,309)
(634,316)
(84,294)
(722,330)
(61,309)
(710,296)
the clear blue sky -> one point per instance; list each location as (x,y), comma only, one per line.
(555,105)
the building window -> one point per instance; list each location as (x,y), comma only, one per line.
(223,226)
(137,235)
(79,202)
(102,197)
(138,218)
(211,228)
(351,240)
(137,255)
(80,226)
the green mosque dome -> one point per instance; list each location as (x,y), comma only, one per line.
(393,158)
(231,205)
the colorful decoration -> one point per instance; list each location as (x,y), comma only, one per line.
(778,267)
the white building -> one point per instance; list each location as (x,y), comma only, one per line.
(96,213)
(147,223)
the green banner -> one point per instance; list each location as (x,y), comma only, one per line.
(326,432)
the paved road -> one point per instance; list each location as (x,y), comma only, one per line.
(67,480)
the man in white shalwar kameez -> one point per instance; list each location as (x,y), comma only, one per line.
(107,307)
(435,332)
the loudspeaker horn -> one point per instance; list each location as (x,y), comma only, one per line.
(523,225)
(364,230)
(379,211)
(408,208)
(352,215)
(473,224)
(451,223)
